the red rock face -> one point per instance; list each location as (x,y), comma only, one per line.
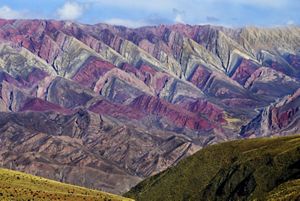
(282,115)
(244,71)
(115,110)
(281,118)
(48,50)
(91,71)
(136,72)
(205,108)
(147,69)
(200,77)
(39,105)
(180,117)
(4,22)
(148,75)
(145,73)
(287,117)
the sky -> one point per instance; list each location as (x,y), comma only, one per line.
(136,13)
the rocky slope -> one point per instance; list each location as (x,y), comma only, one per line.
(87,149)
(255,169)
(122,104)
(280,118)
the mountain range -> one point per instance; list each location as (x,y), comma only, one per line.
(106,106)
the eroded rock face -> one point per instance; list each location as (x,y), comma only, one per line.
(178,116)
(244,71)
(84,147)
(103,106)
(264,81)
(281,118)
(91,71)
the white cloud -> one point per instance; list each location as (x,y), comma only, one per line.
(290,22)
(149,5)
(8,13)
(127,22)
(159,5)
(179,15)
(179,19)
(70,11)
(258,3)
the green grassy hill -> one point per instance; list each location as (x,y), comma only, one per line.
(19,186)
(255,169)
(287,191)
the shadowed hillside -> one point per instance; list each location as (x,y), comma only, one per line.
(255,169)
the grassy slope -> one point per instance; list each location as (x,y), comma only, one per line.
(256,169)
(287,191)
(19,186)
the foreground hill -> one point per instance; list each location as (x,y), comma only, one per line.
(255,169)
(19,186)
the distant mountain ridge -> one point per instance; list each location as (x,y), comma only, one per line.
(128,103)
